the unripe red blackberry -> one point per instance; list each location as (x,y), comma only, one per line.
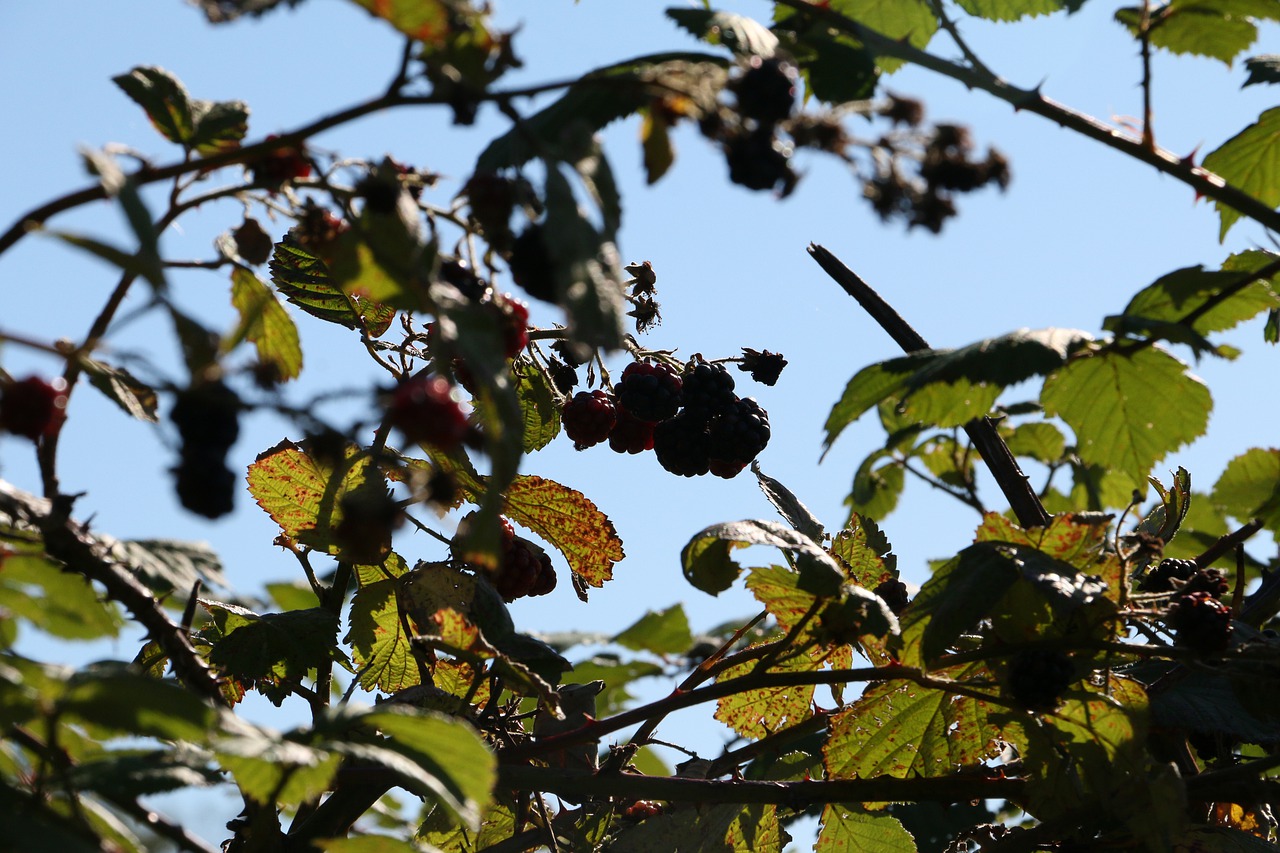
(514,324)
(707,389)
(740,433)
(1162,578)
(530,264)
(1037,678)
(894,593)
(424,410)
(766,91)
(588,418)
(1212,581)
(641,809)
(649,391)
(32,407)
(318,229)
(286,163)
(630,434)
(1201,622)
(682,445)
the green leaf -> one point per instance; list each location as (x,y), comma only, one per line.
(1175,295)
(728,828)
(459,769)
(617,677)
(305,280)
(372,843)
(933,733)
(273,769)
(1262,69)
(793,512)
(1249,161)
(1011,10)
(1220,29)
(1042,442)
(876,490)
(742,35)
(219,125)
(169,565)
(538,407)
(126,701)
(665,632)
(912,21)
(121,387)
(852,830)
(1250,487)
(274,647)
(602,97)
(1128,410)
(1164,520)
(958,596)
(380,647)
(266,324)
(137,774)
(836,68)
(865,552)
(708,567)
(134,263)
(421,20)
(951,387)
(164,99)
(39,591)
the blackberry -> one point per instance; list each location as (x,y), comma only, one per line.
(463,277)
(707,389)
(588,418)
(286,163)
(1162,577)
(424,410)
(318,228)
(563,375)
(651,392)
(894,593)
(1037,678)
(204,483)
(683,445)
(757,162)
(739,434)
(492,199)
(206,415)
(1201,622)
(253,244)
(765,367)
(766,91)
(1212,581)
(531,266)
(514,323)
(524,569)
(630,434)
(32,407)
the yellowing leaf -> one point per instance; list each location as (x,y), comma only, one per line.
(1068,538)
(424,20)
(570,522)
(756,713)
(265,323)
(303,495)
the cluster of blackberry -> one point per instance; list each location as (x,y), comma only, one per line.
(523,568)
(693,421)
(207,418)
(766,95)
(31,407)
(1199,618)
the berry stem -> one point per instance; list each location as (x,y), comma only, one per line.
(981,431)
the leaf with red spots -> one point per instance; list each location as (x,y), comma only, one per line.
(756,713)
(1069,538)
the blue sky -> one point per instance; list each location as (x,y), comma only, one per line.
(1080,229)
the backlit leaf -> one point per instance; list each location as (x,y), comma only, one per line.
(793,512)
(537,406)
(1220,29)
(266,324)
(851,830)
(758,712)
(958,595)
(912,21)
(1175,295)
(1250,487)
(164,99)
(1250,161)
(128,702)
(569,522)
(865,551)
(122,388)
(271,769)
(1040,441)
(37,590)
(712,829)
(273,646)
(304,280)
(220,125)
(380,647)
(1128,410)
(664,632)
(708,567)
(1012,10)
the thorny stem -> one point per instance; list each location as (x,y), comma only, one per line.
(1204,182)
(1144,36)
(1022,497)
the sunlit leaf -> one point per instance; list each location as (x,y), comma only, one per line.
(271,769)
(131,703)
(743,35)
(164,98)
(1249,161)
(121,387)
(265,323)
(305,280)
(380,647)
(1012,10)
(664,632)
(1250,487)
(850,830)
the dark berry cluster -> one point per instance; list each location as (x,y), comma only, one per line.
(207,418)
(32,407)
(1201,622)
(1037,678)
(424,410)
(523,569)
(894,593)
(650,391)
(1168,576)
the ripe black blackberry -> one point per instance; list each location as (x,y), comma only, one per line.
(765,367)
(707,388)
(649,391)
(682,445)
(204,483)
(766,91)
(1162,577)
(1037,678)
(206,415)
(630,434)
(758,162)
(894,593)
(1201,622)
(740,433)
(588,418)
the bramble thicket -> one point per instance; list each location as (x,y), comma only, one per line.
(1099,669)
